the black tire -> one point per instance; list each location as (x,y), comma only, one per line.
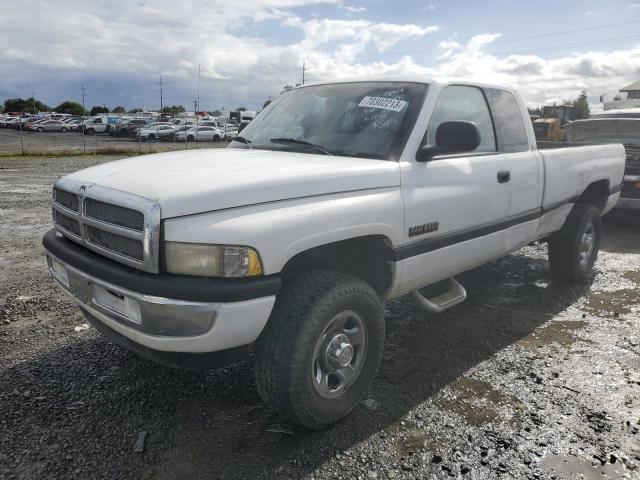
(570,259)
(63,130)
(190,138)
(285,351)
(40,129)
(90,131)
(152,136)
(216,138)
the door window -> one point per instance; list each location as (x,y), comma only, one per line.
(461,102)
(512,136)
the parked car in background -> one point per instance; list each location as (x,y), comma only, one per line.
(128,127)
(75,124)
(230,131)
(156,132)
(201,134)
(609,129)
(49,126)
(94,125)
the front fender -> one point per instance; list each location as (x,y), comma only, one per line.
(280,230)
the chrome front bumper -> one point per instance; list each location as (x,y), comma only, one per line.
(147,314)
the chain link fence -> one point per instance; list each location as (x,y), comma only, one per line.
(24,142)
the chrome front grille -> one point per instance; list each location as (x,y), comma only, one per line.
(124,217)
(129,247)
(117,225)
(66,199)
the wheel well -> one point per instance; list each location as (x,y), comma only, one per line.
(370,258)
(596,194)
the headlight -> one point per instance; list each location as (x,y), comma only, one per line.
(211,260)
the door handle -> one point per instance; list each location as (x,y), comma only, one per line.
(504,176)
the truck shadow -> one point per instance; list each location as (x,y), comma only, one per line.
(214,425)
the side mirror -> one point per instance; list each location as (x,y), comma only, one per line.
(451,138)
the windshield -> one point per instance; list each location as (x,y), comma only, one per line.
(364,119)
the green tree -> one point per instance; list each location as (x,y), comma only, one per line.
(119,110)
(73,108)
(581,106)
(135,110)
(216,113)
(267,102)
(241,109)
(98,109)
(173,109)
(29,105)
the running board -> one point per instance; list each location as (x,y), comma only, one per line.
(453,296)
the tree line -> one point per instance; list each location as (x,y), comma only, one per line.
(31,105)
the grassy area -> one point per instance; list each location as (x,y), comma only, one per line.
(97,151)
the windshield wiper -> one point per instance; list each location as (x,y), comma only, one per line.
(301,142)
(240,139)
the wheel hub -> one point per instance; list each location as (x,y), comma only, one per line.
(587,243)
(339,352)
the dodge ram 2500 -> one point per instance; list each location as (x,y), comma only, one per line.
(336,198)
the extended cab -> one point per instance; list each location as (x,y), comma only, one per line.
(335,199)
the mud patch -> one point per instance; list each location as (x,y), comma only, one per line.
(411,442)
(573,467)
(613,304)
(479,403)
(633,275)
(560,333)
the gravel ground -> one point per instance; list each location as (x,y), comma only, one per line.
(38,142)
(527,379)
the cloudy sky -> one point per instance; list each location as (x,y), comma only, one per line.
(248,50)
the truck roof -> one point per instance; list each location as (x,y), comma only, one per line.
(426,79)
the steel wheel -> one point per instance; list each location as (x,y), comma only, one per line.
(339,354)
(587,244)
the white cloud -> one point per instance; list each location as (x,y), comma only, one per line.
(633,5)
(593,13)
(429,7)
(352,9)
(119,53)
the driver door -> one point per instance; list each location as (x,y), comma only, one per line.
(453,203)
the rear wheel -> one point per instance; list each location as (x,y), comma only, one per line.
(574,249)
(321,348)
(152,136)
(216,138)
(90,131)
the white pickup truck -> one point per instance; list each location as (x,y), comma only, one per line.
(335,199)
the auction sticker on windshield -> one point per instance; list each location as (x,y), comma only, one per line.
(383,103)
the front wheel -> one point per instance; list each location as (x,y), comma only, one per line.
(40,129)
(321,348)
(574,249)
(63,130)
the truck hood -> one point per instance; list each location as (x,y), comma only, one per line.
(196,181)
